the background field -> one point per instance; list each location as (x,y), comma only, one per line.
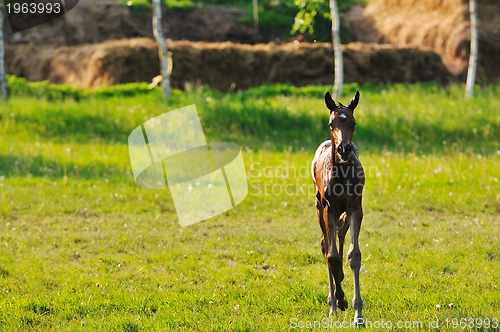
(81,247)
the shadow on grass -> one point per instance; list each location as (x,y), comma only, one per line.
(39,166)
(262,119)
(77,126)
(422,138)
(270,127)
(264,126)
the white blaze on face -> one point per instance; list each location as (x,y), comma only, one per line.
(343,116)
(337,137)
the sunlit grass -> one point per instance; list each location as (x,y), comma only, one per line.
(83,248)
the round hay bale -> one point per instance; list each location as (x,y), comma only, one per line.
(441,26)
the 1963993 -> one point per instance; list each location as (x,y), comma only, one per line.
(34,8)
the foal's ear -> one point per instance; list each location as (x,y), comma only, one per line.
(329,102)
(354,102)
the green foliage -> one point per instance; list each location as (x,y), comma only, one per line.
(239,3)
(315,21)
(304,21)
(275,16)
(310,18)
(18,86)
(84,249)
(145,5)
(21,87)
(122,90)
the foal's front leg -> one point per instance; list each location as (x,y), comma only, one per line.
(332,303)
(325,245)
(354,256)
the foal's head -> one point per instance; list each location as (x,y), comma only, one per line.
(342,125)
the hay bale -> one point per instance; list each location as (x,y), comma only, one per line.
(441,26)
(29,61)
(228,65)
(87,66)
(114,62)
(224,66)
(386,63)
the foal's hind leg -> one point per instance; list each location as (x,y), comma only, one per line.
(334,261)
(354,257)
(341,232)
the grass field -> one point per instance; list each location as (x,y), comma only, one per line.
(83,248)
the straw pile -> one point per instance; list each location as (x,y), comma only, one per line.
(224,66)
(439,25)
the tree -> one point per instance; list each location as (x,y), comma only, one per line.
(3,83)
(337,50)
(471,70)
(306,20)
(162,46)
(255,5)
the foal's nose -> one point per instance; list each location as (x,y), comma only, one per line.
(345,150)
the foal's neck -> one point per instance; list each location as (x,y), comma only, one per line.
(344,170)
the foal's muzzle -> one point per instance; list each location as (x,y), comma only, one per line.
(344,150)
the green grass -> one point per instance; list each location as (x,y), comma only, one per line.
(83,248)
(145,5)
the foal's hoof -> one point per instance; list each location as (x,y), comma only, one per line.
(358,321)
(342,304)
(333,308)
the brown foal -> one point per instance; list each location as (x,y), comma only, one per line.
(338,180)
